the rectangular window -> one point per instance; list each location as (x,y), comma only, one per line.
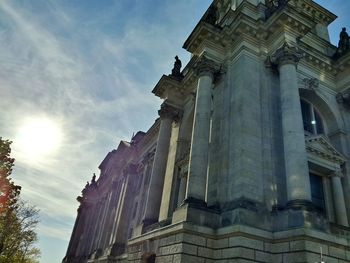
(306,112)
(317,193)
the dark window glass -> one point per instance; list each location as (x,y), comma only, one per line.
(319,126)
(317,194)
(311,118)
(306,112)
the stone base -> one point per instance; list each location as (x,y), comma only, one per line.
(147,225)
(198,215)
(186,242)
(297,218)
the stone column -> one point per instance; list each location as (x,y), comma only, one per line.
(198,163)
(296,166)
(167,114)
(339,201)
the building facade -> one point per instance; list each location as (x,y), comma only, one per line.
(249,158)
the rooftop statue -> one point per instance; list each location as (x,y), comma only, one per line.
(273,5)
(211,17)
(176,71)
(344,42)
(93,180)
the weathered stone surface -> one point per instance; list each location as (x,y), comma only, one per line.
(280,247)
(246,242)
(224,174)
(337,252)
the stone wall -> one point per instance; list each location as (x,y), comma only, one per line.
(189,243)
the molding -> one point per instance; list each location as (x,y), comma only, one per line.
(321,147)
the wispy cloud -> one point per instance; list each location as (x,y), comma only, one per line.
(95,84)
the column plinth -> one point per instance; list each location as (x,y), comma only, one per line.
(296,166)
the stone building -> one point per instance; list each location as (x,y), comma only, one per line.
(249,159)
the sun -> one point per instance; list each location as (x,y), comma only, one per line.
(38,137)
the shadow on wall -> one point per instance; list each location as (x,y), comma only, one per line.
(148,258)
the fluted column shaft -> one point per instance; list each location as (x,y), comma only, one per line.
(198,164)
(339,201)
(167,114)
(296,166)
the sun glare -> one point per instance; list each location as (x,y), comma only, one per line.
(38,138)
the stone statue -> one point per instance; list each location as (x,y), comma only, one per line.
(344,42)
(176,71)
(93,180)
(211,17)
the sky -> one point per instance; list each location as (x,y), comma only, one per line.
(75,79)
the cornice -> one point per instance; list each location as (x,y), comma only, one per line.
(288,19)
(313,11)
(202,31)
(319,61)
(169,87)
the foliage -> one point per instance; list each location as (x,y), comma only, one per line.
(17,219)
(9,192)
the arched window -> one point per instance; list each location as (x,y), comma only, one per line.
(311,118)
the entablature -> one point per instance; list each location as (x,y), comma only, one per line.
(343,63)
(313,11)
(288,19)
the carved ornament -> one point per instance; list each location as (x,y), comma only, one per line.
(311,84)
(344,97)
(169,112)
(205,66)
(287,54)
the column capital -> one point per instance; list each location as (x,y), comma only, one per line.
(287,54)
(205,66)
(337,173)
(168,111)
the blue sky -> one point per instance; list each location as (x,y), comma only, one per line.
(89,67)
